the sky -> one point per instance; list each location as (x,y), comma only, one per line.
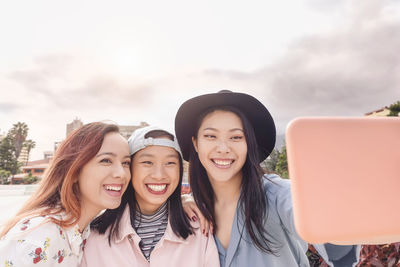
(132,61)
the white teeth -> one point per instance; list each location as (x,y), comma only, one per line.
(223,162)
(157,188)
(113,188)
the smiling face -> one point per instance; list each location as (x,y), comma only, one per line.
(155,176)
(221,146)
(103,180)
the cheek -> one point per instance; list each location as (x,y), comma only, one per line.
(135,182)
(137,174)
(202,152)
(174,176)
(242,150)
(127,174)
(84,183)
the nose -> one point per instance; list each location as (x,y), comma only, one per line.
(119,171)
(223,146)
(158,171)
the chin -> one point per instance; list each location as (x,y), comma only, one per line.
(114,205)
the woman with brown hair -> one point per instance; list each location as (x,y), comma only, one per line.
(89,173)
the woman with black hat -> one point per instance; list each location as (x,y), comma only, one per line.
(225,136)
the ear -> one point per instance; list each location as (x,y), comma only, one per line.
(194,141)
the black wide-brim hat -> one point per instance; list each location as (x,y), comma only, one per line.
(258,115)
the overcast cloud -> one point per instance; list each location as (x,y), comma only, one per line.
(347,70)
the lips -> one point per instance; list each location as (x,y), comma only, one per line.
(157,189)
(222,163)
(114,190)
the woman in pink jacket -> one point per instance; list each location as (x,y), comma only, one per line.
(150,228)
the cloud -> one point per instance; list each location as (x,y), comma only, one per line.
(7,107)
(63,81)
(325,5)
(349,71)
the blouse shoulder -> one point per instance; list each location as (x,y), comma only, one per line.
(32,229)
(275,187)
(34,240)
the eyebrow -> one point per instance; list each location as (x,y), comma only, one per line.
(231,130)
(110,154)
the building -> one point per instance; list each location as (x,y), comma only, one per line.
(36,168)
(48,154)
(382,112)
(23,156)
(127,130)
(73,125)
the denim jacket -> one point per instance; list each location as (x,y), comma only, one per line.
(280,225)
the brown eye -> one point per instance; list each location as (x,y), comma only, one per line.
(126,163)
(105,160)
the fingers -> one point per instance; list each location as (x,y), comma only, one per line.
(194,214)
(204,223)
(188,208)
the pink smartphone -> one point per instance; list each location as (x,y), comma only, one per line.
(345,175)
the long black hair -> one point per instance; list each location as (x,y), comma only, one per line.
(252,200)
(111,218)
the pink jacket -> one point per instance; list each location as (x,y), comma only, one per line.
(196,250)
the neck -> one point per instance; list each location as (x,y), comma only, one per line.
(150,210)
(87,215)
(227,192)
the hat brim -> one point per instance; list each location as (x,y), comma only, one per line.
(258,115)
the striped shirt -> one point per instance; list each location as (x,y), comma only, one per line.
(150,228)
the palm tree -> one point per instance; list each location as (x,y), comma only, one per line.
(19,131)
(29,145)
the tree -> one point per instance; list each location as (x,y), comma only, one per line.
(30,179)
(394,109)
(29,145)
(19,132)
(282,165)
(4,176)
(270,162)
(8,159)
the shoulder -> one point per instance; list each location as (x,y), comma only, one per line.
(96,237)
(34,240)
(279,197)
(197,246)
(275,186)
(34,228)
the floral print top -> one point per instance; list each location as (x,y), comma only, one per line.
(39,242)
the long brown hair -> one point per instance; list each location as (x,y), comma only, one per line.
(59,191)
